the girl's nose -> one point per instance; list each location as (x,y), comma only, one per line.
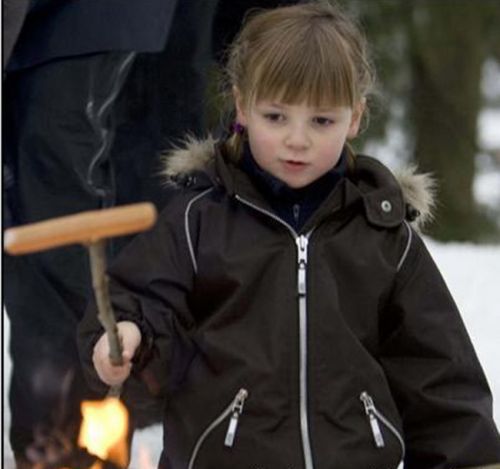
(297,138)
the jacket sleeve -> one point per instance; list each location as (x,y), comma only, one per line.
(149,284)
(433,370)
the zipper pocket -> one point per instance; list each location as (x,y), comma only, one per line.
(235,409)
(374,417)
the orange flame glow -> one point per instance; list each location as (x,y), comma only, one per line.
(104,431)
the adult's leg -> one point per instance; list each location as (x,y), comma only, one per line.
(58,132)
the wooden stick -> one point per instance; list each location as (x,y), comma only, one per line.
(97,252)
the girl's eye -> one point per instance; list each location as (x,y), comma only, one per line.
(274,117)
(322,121)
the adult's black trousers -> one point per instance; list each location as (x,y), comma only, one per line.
(58,130)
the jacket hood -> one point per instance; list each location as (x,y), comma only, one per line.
(417,189)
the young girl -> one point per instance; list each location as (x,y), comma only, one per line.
(290,315)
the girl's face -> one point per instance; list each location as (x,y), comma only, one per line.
(297,143)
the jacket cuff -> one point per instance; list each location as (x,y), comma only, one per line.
(144,352)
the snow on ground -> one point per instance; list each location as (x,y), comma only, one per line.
(473,276)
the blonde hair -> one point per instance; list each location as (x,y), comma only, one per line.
(310,53)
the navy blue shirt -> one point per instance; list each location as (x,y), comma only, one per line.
(295,206)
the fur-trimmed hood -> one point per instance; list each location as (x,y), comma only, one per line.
(418,189)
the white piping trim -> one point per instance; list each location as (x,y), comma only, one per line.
(186,227)
(407,248)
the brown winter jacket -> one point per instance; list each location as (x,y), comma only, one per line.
(338,347)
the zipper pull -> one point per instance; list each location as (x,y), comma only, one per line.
(302,279)
(371,412)
(236,410)
(302,243)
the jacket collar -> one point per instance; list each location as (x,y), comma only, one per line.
(386,199)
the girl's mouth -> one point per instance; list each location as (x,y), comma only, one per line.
(293,165)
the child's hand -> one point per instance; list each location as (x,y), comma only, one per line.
(115,375)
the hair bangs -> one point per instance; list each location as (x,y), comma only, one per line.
(305,68)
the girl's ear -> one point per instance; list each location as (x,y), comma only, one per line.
(357,114)
(241,117)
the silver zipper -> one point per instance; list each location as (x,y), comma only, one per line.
(302,244)
(375,416)
(370,411)
(235,408)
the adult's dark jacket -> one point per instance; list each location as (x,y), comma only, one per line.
(338,347)
(93,26)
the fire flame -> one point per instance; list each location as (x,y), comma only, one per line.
(104,431)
